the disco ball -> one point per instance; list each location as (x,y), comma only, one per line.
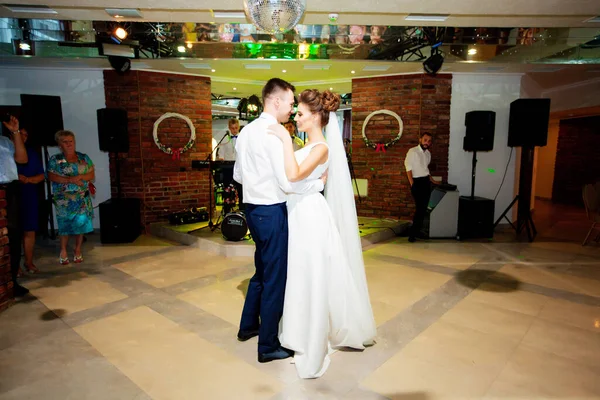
(275,16)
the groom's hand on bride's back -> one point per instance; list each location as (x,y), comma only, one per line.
(324,177)
(279,131)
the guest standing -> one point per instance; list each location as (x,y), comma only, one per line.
(70,173)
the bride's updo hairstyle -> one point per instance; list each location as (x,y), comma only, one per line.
(321,103)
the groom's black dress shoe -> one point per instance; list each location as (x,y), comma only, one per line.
(279,354)
(245,335)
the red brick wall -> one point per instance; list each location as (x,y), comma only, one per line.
(5,278)
(576,159)
(423,103)
(163,184)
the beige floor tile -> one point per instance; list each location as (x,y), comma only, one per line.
(543,277)
(403,377)
(223,299)
(74,292)
(569,342)
(566,312)
(450,345)
(536,374)
(567,247)
(519,301)
(393,287)
(437,254)
(172,268)
(169,362)
(489,319)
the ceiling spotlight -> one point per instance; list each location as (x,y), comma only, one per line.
(472,52)
(352,72)
(284,71)
(433,64)
(330,88)
(181,49)
(121,33)
(213,70)
(234,88)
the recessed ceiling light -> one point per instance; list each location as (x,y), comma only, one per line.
(234,88)
(24,8)
(123,12)
(594,19)
(229,14)
(330,88)
(426,17)
(284,71)
(213,70)
(352,72)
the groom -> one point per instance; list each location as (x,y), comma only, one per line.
(259,167)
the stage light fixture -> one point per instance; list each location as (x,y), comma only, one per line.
(433,64)
(120,64)
(119,34)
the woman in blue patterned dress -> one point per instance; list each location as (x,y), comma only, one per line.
(70,173)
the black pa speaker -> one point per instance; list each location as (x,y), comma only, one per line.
(481,126)
(120,220)
(42,117)
(528,124)
(475,217)
(112,130)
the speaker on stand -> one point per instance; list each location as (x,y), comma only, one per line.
(527,128)
(120,218)
(476,214)
(43,118)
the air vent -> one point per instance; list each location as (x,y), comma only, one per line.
(426,17)
(123,12)
(195,65)
(24,8)
(323,67)
(379,68)
(229,14)
(547,69)
(257,66)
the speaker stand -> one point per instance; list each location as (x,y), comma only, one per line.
(473,171)
(49,197)
(524,218)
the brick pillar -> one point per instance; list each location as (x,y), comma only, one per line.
(5,278)
(423,103)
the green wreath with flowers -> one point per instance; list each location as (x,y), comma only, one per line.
(382,146)
(174,152)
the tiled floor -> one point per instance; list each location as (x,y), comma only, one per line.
(494,319)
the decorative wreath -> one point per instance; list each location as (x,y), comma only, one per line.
(382,146)
(175,152)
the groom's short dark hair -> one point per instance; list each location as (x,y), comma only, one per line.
(274,85)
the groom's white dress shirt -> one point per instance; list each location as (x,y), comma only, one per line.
(259,165)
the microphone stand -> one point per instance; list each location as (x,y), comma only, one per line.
(209,159)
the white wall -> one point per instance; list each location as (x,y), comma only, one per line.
(82,93)
(471,92)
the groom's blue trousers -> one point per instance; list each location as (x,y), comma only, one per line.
(264,301)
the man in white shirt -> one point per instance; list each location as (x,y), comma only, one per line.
(259,167)
(417,168)
(296,141)
(226,152)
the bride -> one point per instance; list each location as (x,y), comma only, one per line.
(326,298)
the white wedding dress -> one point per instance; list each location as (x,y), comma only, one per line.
(325,303)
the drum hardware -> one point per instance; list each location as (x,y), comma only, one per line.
(234,227)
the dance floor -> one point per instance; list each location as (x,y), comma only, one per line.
(490,319)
